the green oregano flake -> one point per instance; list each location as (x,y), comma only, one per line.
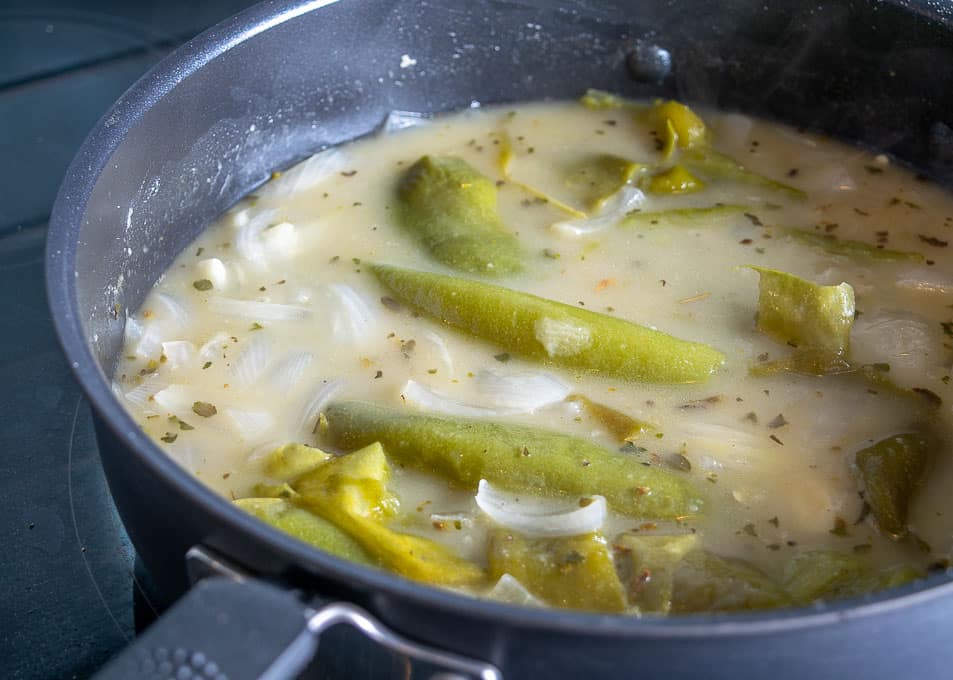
(204,409)
(202,284)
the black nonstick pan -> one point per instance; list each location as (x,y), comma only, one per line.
(178,149)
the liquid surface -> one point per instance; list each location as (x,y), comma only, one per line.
(274,312)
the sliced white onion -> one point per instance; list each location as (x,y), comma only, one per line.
(535,516)
(250,425)
(143,339)
(142,397)
(163,318)
(288,371)
(714,446)
(614,209)
(178,353)
(442,350)
(305,175)
(214,270)
(170,312)
(214,348)
(175,399)
(509,589)
(520,392)
(428,399)
(400,120)
(315,402)
(256,311)
(248,237)
(347,313)
(251,363)
(280,241)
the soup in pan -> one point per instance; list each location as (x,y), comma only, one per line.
(606,355)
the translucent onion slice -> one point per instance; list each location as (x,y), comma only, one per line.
(142,397)
(521,392)
(171,313)
(214,348)
(280,241)
(175,400)
(143,339)
(253,310)
(535,516)
(286,373)
(252,362)
(306,174)
(509,589)
(615,208)
(350,317)
(214,270)
(248,236)
(252,426)
(443,352)
(178,353)
(428,399)
(315,402)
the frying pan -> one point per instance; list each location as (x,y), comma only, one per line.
(288,77)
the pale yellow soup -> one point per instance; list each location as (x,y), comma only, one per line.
(772,456)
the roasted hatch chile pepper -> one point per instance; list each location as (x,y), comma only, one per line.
(513,457)
(452,209)
(828,575)
(360,476)
(675,180)
(621,426)
(305,526)
(350,491)
(683,217)
(676,125)
(569,571)
(596,177)
(646,566)
(801,313)
(706,582)
(291,460)
(891,470)
(552,332)
(715,165)
(850,249)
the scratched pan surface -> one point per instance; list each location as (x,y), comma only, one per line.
(287,78)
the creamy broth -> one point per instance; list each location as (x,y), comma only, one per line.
(273,312)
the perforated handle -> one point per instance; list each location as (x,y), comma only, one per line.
(222,630)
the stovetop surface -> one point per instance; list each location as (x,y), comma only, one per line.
(66,568)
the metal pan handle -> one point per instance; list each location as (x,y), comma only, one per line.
(244,629)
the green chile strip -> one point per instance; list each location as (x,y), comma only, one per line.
(514,457)
(552,332)
(451,208)
(892,469)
